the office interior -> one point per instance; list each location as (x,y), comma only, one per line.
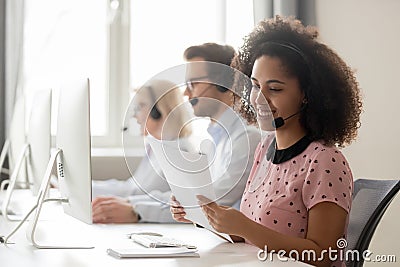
(364,32)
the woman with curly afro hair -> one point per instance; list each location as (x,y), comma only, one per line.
(299,192)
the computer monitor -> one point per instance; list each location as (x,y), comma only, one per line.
(73,159)
(15,141)
(74,162)
(35,152)
(39,138)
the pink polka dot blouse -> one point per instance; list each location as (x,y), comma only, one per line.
(279,196)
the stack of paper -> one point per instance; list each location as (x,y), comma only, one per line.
(188,175)
(152,252)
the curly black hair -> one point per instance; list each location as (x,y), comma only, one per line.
(332,112)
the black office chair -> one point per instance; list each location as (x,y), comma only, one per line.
(371,198)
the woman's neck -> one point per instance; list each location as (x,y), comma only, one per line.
(286,137)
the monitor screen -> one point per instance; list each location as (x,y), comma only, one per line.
(39,138)
(15,139)
(35,152)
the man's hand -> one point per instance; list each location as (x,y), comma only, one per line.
(113,210)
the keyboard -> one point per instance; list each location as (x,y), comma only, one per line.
(158,241)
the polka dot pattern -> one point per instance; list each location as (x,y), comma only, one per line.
(285,192)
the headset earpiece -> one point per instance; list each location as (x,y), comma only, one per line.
(155,113)
(221,88)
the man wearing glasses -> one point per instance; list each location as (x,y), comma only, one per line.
(234,142)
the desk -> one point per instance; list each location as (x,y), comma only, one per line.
(58,228)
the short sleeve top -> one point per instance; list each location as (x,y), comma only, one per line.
(279,196)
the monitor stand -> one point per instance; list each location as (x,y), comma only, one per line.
(41,198)
(12,182)
(3,155)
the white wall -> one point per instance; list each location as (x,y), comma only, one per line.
(106,167)
(111,163)
(366,33)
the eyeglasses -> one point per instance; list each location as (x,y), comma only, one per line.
(190,83)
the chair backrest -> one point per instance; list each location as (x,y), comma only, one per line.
(370,201)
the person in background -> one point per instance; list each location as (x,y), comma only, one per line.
(234,141)
(146,198)
(299,192)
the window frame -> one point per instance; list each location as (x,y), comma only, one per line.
(118,76)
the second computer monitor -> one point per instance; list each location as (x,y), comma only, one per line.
(39,138)
(15,140)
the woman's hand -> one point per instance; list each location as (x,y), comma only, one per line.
(222,218)
(178,212)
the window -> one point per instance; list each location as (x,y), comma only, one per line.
(162,30)
(119,44)
(68,40)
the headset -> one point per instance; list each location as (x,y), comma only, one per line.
(154,113)
(221,88)
(294,48)
(279,122)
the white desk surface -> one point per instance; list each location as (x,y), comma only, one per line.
(57,228)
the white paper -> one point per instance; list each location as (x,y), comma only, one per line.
(188,175)
(152,252)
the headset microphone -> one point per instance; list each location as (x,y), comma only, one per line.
(279,122)
(195,100)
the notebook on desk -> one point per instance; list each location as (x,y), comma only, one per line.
(152,252)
